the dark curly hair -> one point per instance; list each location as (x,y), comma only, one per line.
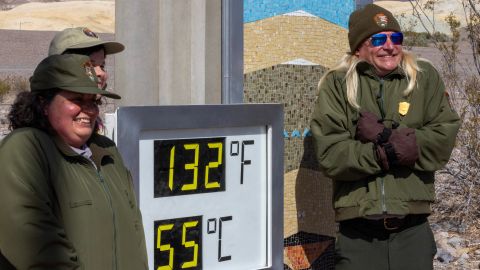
(28,110)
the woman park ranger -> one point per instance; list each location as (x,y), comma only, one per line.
(67,200)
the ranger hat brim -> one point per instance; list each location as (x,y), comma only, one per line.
(71,72)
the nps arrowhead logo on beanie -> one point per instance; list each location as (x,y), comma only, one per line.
(369,20)
(70,72)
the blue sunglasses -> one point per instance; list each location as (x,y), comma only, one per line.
(380,39)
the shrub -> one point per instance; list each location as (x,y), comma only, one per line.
(423,39)
(13,83)
(414,39)
(4,87)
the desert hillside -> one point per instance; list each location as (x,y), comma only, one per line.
(99,15)
(442,9)
(54,16)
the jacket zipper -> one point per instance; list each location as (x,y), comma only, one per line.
(384,206)
(382,112)
(380,101)
(109,196)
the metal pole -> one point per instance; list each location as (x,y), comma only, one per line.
(232,51)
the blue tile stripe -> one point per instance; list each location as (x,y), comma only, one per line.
(296,134)
(335,11)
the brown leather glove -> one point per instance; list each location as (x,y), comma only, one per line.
(400,150)
(371,129)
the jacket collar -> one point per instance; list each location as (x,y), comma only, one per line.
(369,70)
(98,152)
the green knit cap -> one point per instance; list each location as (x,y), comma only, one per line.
(71,72)
(369,20)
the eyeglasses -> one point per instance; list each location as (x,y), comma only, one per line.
(380,39)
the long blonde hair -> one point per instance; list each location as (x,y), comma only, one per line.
(349,63)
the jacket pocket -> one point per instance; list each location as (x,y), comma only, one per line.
(79,196)
(130,191)
(78,192)
(352,193)
(80,203)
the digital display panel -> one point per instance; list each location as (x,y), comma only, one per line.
(189,166)
(209,198)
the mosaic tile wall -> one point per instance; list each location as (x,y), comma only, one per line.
(336,11)
(283,38)
(296,87)
(309,226)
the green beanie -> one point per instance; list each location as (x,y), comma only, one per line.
(369,20)
(71,72)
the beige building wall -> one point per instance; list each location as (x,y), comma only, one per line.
(283,38)
(173,52)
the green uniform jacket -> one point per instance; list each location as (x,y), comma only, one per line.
(360,186)
(60,212)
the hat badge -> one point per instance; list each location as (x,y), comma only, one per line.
(89,33)
(381,19)
(89,70)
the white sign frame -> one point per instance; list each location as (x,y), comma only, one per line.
(138,127)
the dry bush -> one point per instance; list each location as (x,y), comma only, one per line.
(14,83)
(4,88)
(458,185)
(459,190)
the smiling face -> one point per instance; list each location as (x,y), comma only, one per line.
(384,58)
(98,61)
(72,116)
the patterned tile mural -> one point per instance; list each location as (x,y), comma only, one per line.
(309,228)
(288,46)
(293,36)
(336,12)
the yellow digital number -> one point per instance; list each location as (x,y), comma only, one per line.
(170,171)
(192,166)
(165,247)
(215,164)
(190,244)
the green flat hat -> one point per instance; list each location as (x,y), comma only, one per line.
(80,38)
(71,72)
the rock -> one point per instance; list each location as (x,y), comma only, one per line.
(464,258)
(444,256)
(441,235)
(456,242)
